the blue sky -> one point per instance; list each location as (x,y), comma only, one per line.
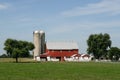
(62,20)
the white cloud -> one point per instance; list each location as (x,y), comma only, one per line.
(3,6)
(87,26)
(111,7)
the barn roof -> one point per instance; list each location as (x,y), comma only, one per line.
(62,45)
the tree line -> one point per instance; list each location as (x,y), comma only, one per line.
(99,45)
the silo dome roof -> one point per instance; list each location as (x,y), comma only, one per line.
(36,31)
(40,31)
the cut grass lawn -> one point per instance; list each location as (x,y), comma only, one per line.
(60,71)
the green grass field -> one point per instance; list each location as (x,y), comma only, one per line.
(59,71)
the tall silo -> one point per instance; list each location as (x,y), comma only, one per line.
(39,42)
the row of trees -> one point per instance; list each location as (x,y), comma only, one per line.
(99,45)
(17,48)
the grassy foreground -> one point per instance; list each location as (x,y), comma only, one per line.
(60,71)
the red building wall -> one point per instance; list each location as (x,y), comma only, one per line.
(61,53)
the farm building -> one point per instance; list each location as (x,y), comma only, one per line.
(56,51)
(79,57)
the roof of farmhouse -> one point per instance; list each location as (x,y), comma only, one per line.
(62,45)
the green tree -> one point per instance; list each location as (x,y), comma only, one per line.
(15,53)
(98,45)
(114,53)
(18,48)
(9,43)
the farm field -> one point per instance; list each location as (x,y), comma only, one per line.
(19,60)
(59,71)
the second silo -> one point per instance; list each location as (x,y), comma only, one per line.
(39,42)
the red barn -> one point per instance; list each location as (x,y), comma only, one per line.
(58,50)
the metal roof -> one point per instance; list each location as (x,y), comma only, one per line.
(62,45)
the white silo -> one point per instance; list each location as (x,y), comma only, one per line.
(39,43)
